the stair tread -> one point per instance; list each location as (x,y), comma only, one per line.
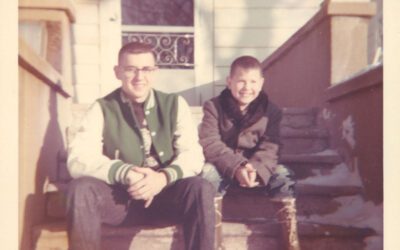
(232,228)
(307,189)
(301,189)
(287,132)
(327,156)
(299,111)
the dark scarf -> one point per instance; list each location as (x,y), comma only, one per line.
(256,109)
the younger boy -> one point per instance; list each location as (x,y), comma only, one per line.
(240,138)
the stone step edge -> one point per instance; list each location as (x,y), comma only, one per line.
(305,190)
(301,190)
(325,157)
(306,133)
(230,229)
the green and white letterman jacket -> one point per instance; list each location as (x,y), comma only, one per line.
(108,142)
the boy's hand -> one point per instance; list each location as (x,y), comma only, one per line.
(246,176)
(149,186)
(132,177)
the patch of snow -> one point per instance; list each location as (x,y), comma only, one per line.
(354,211)
(326,114)
(348,131)
(339,175)
(327,152)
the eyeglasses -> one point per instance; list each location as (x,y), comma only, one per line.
(132,70)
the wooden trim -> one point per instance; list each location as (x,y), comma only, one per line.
(39,67)
(204,50)
(63,5)
(368,78)
(351,9)
(66,51)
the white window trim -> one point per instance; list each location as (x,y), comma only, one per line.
(151,28)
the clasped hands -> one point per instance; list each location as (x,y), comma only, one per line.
(145,183)
(246,176)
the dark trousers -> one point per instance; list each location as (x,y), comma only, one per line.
(91,202)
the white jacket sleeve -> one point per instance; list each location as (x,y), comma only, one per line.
(85,152)
(189,154)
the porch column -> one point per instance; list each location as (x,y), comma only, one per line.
(349,22)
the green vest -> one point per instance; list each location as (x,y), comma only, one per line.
(121,131)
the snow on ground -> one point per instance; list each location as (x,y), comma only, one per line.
(356,212)
(339,174)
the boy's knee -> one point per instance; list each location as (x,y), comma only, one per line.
(282,183)
(82,187)
(211,174)
(200,187)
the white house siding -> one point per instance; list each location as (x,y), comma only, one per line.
(86,51)
(239,27)
(254,27)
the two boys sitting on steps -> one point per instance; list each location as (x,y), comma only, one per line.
(137,152)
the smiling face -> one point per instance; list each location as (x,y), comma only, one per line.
(245,85)
(136,73)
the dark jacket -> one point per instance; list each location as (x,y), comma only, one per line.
(258,144)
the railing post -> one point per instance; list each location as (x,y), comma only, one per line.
(349,22)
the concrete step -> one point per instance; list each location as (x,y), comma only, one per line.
(311,164)
(304,140)
(242,203)
(237,235)
(299,117)
(304,165)
(311,200)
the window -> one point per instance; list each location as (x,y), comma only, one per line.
(166,25)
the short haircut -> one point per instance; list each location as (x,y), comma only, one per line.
(135,48)
(245,62)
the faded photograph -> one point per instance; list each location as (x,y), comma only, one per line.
(200,124)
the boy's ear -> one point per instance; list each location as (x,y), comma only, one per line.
(262,80)
(228,81)
(117,72)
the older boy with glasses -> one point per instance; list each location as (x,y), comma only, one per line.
(136,155)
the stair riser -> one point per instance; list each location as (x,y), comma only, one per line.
(266,243)
(237,208)
(304,145)
(298,121)
(234,242)
(311,200)
(243,203)
(151,243)
(305,170)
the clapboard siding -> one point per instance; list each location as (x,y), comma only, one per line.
(225,56)
(88,73)
(251,37)
(86,33)
(87,12)
(86,54)
(86,51)
(87,93)
(267,3)
(220,74)
(264,18)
